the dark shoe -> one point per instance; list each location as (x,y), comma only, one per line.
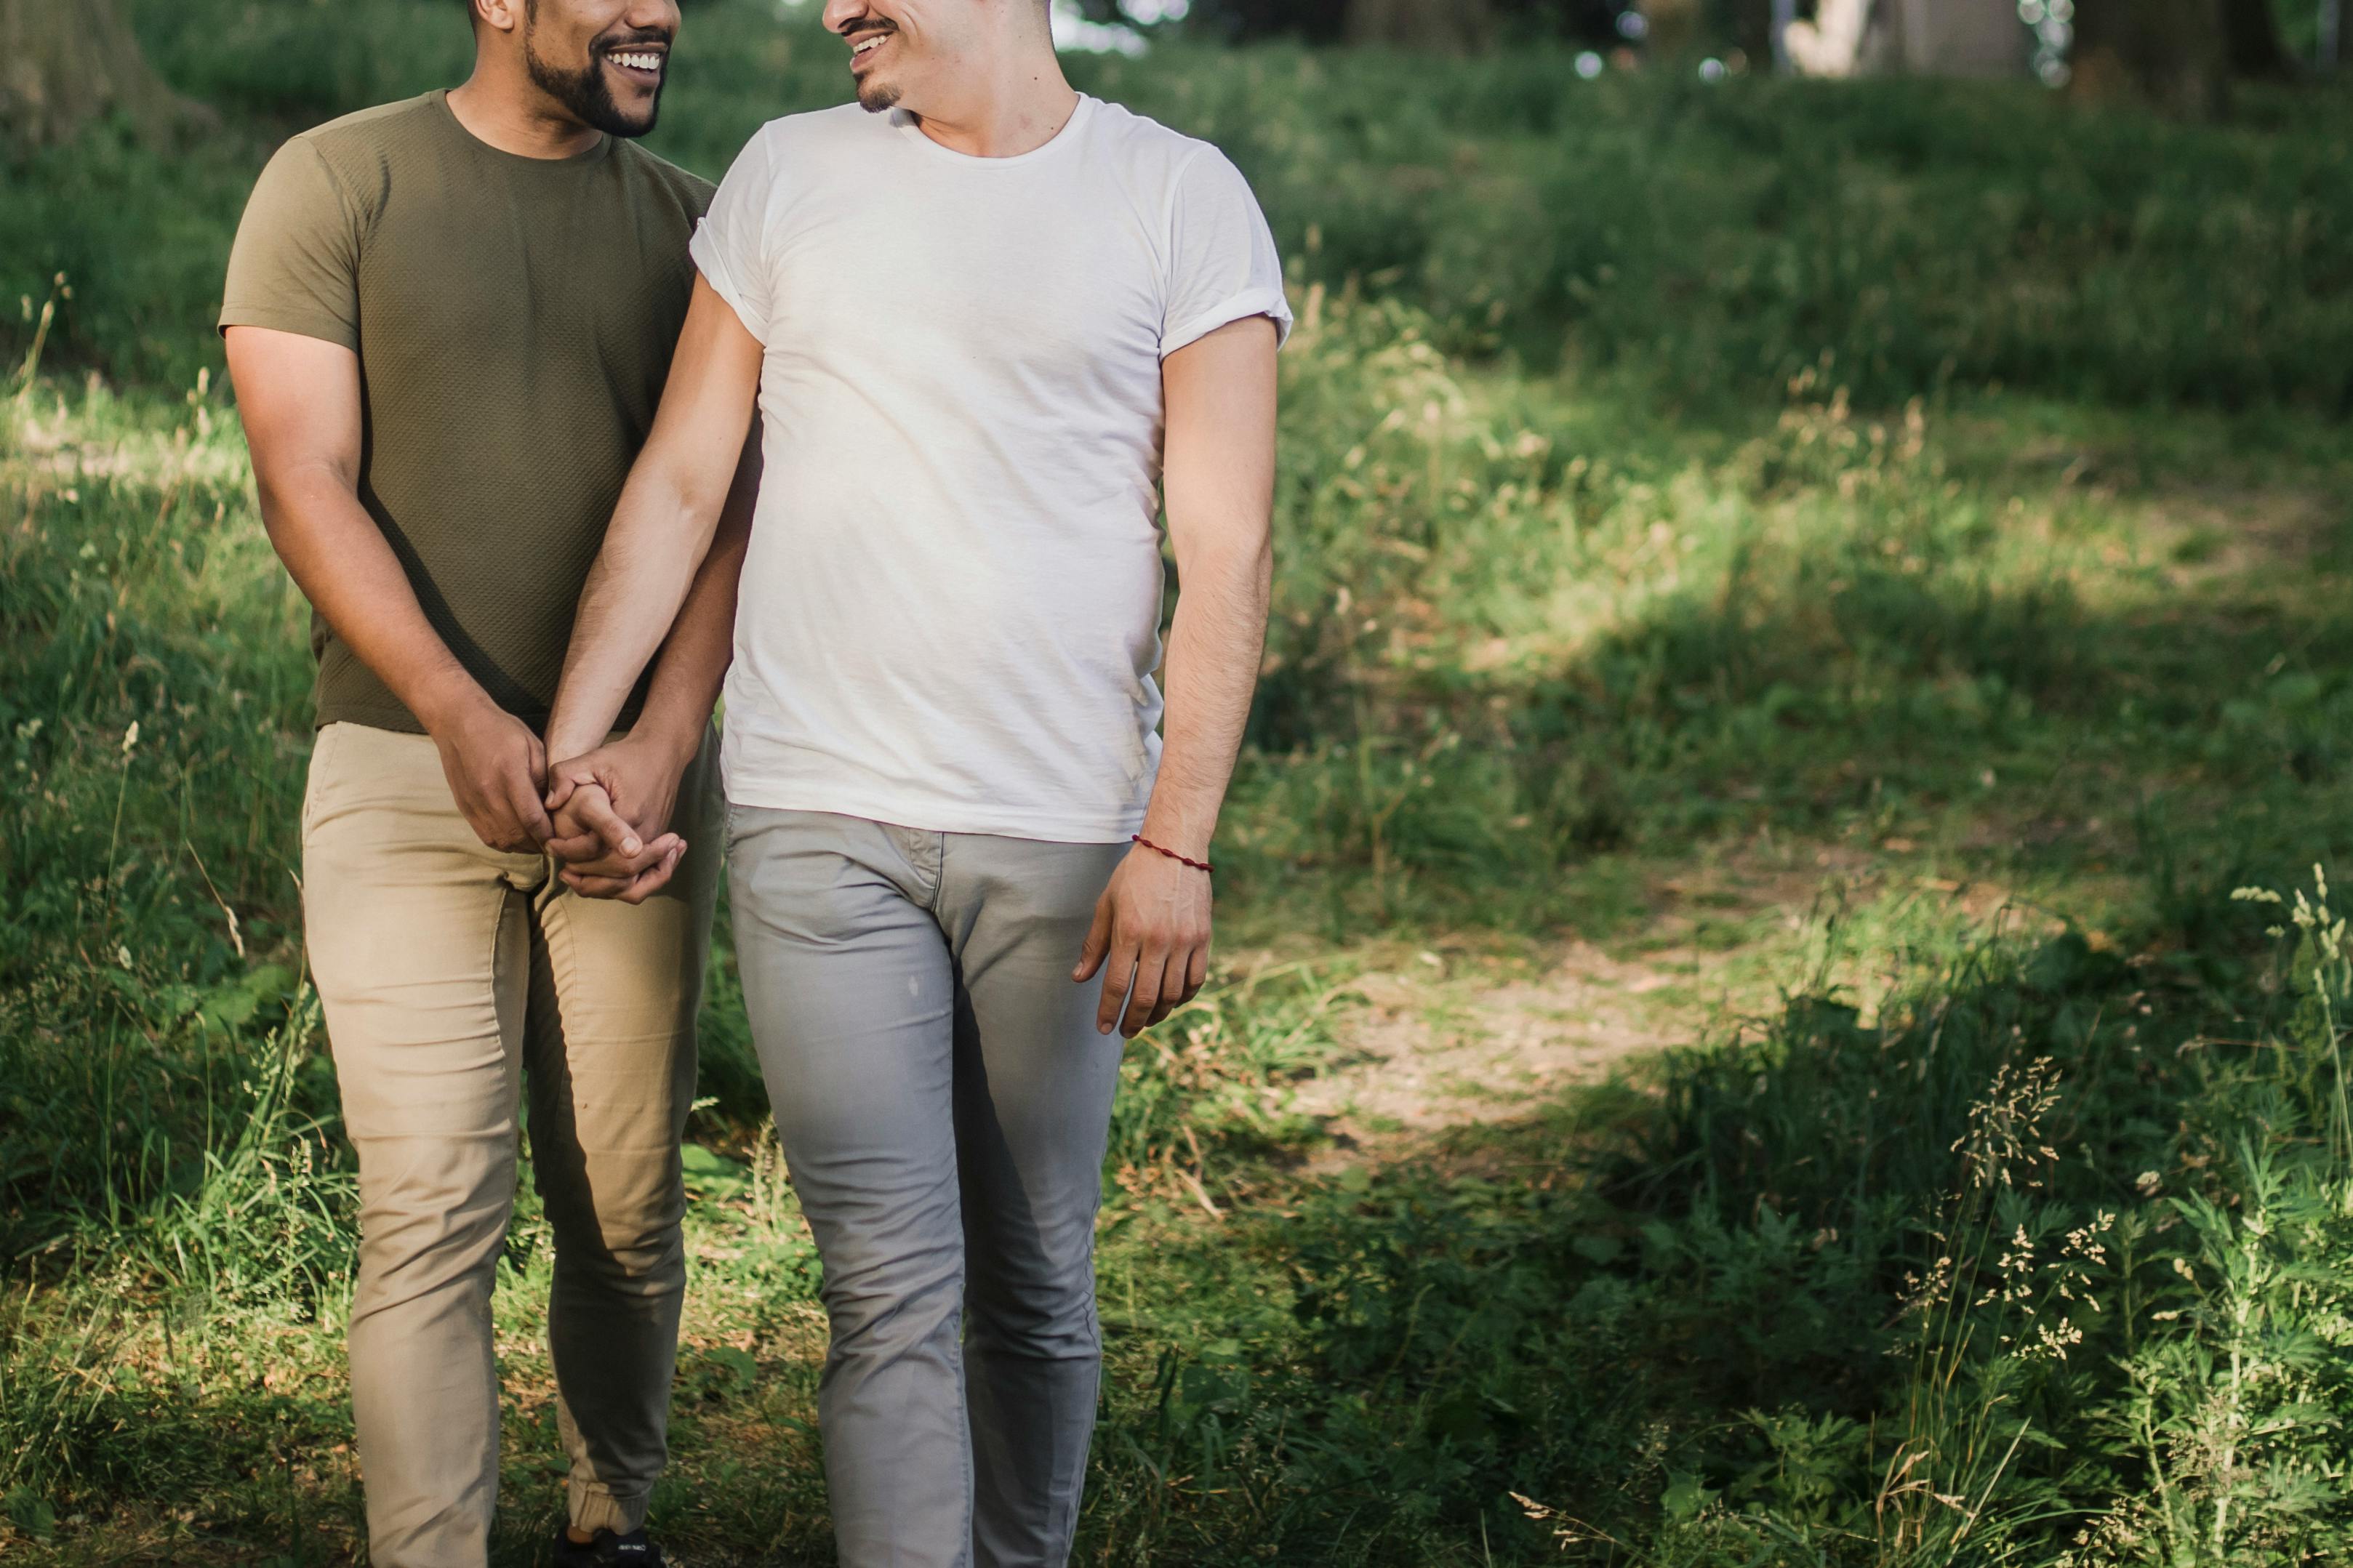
(630,1550)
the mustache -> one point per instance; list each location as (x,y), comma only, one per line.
(636,37)
(868,25)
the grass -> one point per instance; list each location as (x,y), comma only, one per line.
(1825,592)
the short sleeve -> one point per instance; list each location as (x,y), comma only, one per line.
(1222,263)
(731,243)
(295,265)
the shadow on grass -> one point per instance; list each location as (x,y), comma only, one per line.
(1713,1310)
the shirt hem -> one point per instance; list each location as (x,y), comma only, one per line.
(933,817)
(395,721)
(301,323)
(705,255)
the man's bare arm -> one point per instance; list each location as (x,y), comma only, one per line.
(664,528)
(1153,924)
(693,664)
(613,803)
(300,399)
(1219,479)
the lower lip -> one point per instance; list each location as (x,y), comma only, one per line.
(860,61)
(631,73)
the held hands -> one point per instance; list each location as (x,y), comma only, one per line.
(611,810)
(604,814)
(496,768)
(1152,925)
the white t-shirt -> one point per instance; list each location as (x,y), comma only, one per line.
(950,613)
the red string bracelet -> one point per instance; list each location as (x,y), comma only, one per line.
(1180,860)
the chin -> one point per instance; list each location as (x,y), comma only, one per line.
(875,96)
(629,122)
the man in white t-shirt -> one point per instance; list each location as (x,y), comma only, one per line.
(985,321)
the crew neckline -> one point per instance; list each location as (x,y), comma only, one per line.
(595,154)
(909,127)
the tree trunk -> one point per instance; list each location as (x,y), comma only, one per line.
(1832,44)
(2253,33)
(1744,25)
(2171,53)
(1958,37)
(65,62)
(1435,27)
(1669,27)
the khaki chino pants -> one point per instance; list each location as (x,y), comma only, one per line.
(450,971)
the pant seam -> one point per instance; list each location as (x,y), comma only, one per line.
(623,1510)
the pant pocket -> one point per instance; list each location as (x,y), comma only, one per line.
(320,776)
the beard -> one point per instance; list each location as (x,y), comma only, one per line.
(585,92)
(875,96)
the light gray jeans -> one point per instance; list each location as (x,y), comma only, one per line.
(943,1098)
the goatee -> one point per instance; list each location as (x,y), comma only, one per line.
(588,95)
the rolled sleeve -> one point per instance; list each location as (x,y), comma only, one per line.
(730,245)
(1223,267)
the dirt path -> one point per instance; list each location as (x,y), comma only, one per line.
(1429,1052)
(1444,1043)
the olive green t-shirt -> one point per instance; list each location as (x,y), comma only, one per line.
(514,319)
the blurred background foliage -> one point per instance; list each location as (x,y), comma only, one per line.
(1917,230)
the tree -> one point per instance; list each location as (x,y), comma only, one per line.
(1956,37)
(1671,26)
(1443,26)
(1832,44)
(66,62)
(1926,37)
(1745,25)
(2254,36)
(2172,53)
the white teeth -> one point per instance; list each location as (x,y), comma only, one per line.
(640,62)
(869,44)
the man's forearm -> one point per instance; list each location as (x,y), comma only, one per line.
(657,586)
(627,607)
(1218,477)
(693,664)
(338,558)
(1214,647)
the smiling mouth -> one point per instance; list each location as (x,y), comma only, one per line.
(864,50)
(638,63)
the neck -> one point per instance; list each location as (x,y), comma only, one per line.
(502,106)
(1013,103)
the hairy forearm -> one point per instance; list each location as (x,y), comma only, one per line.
(1219,484)
(694,482)
(651,567)
(693,661)
(1214,647)
(340,559)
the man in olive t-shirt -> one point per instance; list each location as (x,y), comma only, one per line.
(449,323)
